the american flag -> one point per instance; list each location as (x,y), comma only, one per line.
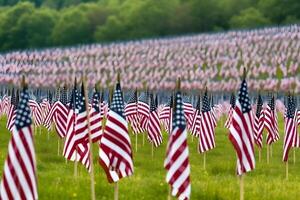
(69,150)
(12,110)
(166,115)
(143,110)
(115,155)
(229,117)
(36,112)
(188,112)
(196,119)
(259,123)
(270,122)
(298,117)
(241,132)
(132,114)
(207,129)
(19,175)
(95,118)
(59,115)
(153,130)
(81,131)
(177,159)
(290,128)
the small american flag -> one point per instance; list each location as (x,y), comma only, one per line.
(290,128)
(229,117)
(207,129)
(19,176)
(241,132)
(115,146)
(177,159)
(154,131)
(259,123)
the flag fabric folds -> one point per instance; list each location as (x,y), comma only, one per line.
(19,175)
(177,159)
(115,155)
(241,131)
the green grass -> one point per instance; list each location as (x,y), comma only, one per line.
(56,176)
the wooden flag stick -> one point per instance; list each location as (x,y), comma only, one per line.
(40,130)
(271,151)
(287,170)
(75,164)
(242,187)
(93,194)
(143,139)
(136,142)
(294,156)
(169,193)
(48,135)
(268,154)
(152,150)
(204,161)
(259,154)
(58,146)
(116,191)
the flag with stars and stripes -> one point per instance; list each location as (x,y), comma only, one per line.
(270,121)
(95,118)
(132,114)
(19,176)
(81,142)
(115,154)
(177,159)
(230,112)
(165,115)
(196,120)
(153,130)
(259,123)
(241,131)
(143,110)
(12,110)
(69,150)
(290,128)
(207,129)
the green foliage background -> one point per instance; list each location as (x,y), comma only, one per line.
(43,23)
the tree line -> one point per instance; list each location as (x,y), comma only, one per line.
(46,23)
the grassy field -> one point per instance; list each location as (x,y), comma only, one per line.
(56,176)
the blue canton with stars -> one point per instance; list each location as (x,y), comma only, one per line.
(80,101)
(153,106)
(259,106)
(23,117)
(144,97)
(205,105)
(272,103)
(244,98)
(232,100)
(133,97)
(96,97)
(198,104)
(74,98)
(290,107)
(117,104)
(178,115)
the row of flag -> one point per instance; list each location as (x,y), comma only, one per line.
(270,54)
(79,120)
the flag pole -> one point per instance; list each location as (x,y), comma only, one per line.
(259,154)
(287,170)
(152,150)
(93,195)
(169,193)
(204,161)
(136,141)
(268,154)
(294,156)
(58,146)
(116,191)
(242,187)
(271,151)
